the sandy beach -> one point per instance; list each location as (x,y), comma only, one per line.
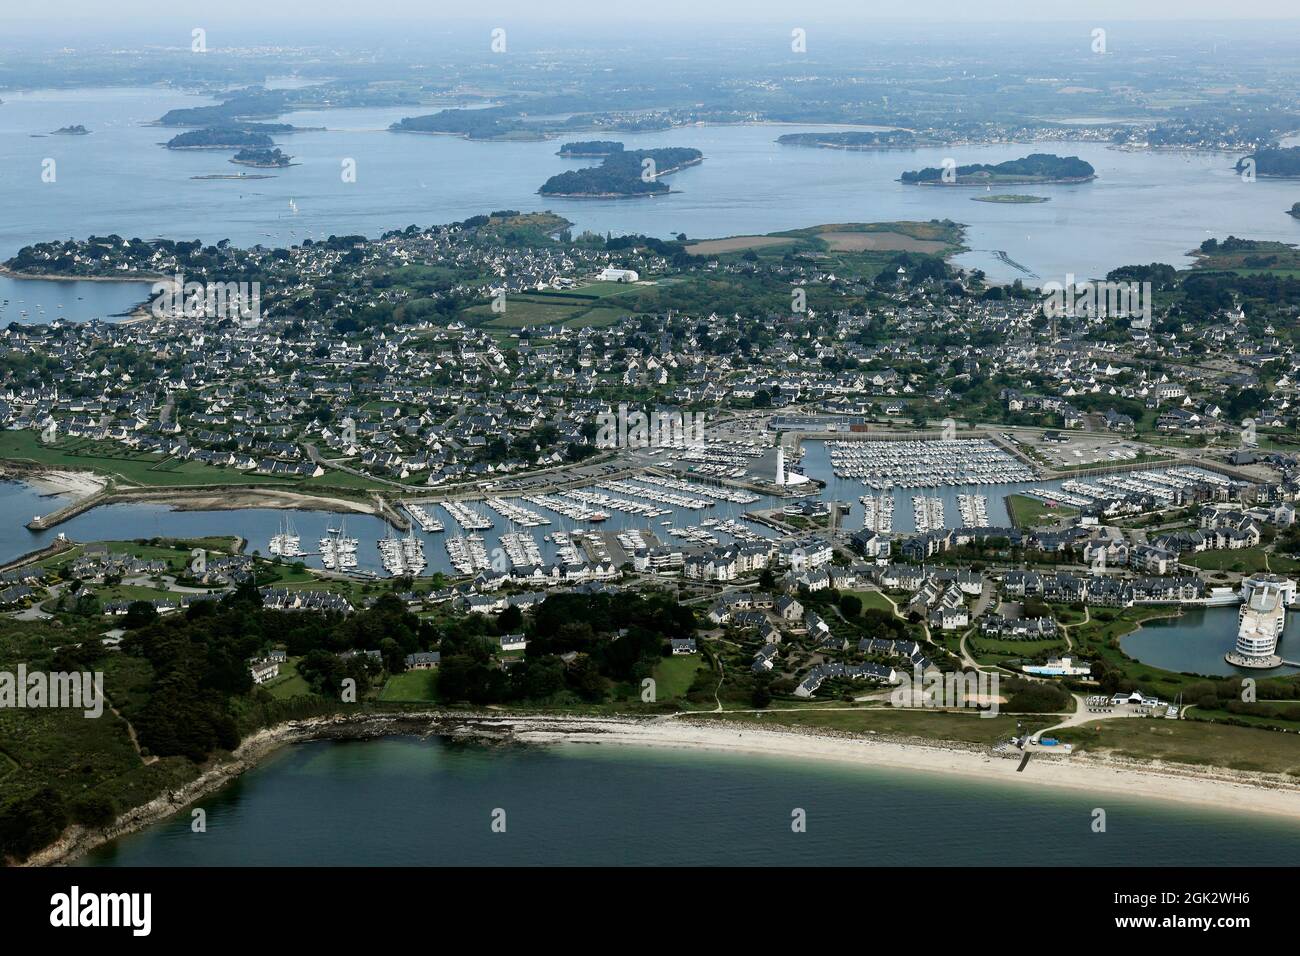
(1211,788)
(252,497)
(77,484)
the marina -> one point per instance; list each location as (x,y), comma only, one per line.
(402,556)
(517,514)
(288,543)
(521,548)
(1163,487)
(466,517)
(609,503)
(926,464)
(658,496)
(718,492)
(927,512)
(421,516)
(573,510)
(736,528)
(467,555)
(974,510)
(565,548)
(694,534)
(338,551)
(878,511)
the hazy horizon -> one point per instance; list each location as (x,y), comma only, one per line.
(67,15)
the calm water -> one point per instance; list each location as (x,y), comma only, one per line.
(411,802)
(19,503)
(1196,642)
(817,464)
(1144,207)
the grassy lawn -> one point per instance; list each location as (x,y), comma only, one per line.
(1025,512)
(411,686)
(674,675)
(874,599)
(1269,716)
(1191,742)
(133,592)
(1065,614)
(938,725)
(1242,560)
(992,651)
(289,683)
(573,310)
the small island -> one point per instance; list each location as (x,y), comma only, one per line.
(1277,162)
(77,130)
(220,137)
(857,139)
(1295,210)
(1035,169)
(492,123)
(262,158)
(597,148)
(622,174)
(1011,198)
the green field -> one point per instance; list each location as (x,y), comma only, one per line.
(1026,512)
(289,683)
(421,686)
(993,651)
(1190,742)
(873,600)
(592,306)
(1242,560)
(674,675)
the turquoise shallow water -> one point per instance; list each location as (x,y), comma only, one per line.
(404,801)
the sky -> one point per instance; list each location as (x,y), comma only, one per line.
(120,11)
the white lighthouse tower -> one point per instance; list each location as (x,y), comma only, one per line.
(780,465)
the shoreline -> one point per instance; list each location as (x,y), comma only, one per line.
(85,491)
(145,278)
(666,192)
(1209,788)
(75,484)
(1001,182)
(1215,789)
